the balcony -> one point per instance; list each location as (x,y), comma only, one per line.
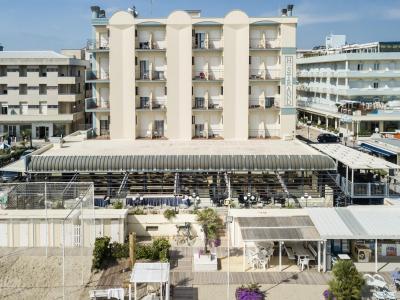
(201,103)
(93,105)
(144,103)
(97,76)
(208,75)
(264,43)
(264,74)
(151,75)
(150,46)
(264,133)
(97,45)
(204,131)
(263,103)
(208,44)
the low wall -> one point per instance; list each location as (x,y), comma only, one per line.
(158,225)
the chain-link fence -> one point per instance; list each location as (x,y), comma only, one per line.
(47,233)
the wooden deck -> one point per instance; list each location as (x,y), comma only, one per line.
(115,276)
(215,278)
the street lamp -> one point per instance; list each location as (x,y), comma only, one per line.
(229,220)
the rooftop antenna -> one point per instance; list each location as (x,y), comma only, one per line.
(133,11)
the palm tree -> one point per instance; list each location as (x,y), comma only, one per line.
(347,281)
(211,223)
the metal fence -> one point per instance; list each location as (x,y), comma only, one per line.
(49,227)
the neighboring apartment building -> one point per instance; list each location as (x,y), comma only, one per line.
(185,76)
(352,88)
(42,92)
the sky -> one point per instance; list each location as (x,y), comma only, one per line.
(65,24)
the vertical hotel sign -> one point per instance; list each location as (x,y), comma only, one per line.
(289,80)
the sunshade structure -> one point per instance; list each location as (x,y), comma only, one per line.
(358,222)
(178,163)
(278,229)
(354,159)
(150,273)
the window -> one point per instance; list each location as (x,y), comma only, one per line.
(43,108)
(23,88)
(22,71)
(279,89)
(42,89)
(136,60)
(192,60)
(360,67)
(23,108)
(192,91)
(4,109)
(376,85)
(42,71)
(376,66)
(136,90)
(222,90)
(135,33)
(249,60)
(193,120)
(151,228)
(165,90)
(249,90)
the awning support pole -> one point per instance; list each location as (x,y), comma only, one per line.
(319,256)
(324,258)
(280,256)
(130,292)
(167,291)
(244,256)
(376,256)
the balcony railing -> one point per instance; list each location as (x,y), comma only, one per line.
(264,133)
(156,45)
(267,102)
(208,44)
(264,43)
(97,75)
(155,104)
(97,44)
(264,74)
(151,75)
(92,104)
(207,104)
(207,133)
(213,74)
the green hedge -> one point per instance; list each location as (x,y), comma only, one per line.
(105,253)
(158,250)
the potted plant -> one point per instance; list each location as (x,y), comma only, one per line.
(210,223)
(346,282)
(249,292)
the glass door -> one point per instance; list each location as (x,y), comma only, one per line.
(144,69)
(159,128)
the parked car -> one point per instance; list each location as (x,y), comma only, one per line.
(328,138)
(9,176)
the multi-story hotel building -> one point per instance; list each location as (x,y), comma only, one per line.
(185,76)
(41,92)
(354,89)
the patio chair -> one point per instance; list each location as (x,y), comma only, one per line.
(305,262)
(379,295)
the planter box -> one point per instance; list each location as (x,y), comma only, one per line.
(205,262)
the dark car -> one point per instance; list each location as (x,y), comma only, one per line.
(328,138)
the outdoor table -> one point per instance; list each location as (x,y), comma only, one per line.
(343,256)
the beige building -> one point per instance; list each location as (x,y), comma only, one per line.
(42,92)
(186,76)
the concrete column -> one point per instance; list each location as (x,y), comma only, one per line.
(376,256)
(179,81)
(122,76)
(319,256)
(236,76)
(280,256)
(324,258)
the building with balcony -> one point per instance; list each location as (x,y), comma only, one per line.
(189,77)
(353,89)
(41,92)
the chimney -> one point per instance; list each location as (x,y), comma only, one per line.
(290,10)
(284,12)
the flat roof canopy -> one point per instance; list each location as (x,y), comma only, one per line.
(294,228)
(179,156)
(357,222)
(150,272)
(354,159)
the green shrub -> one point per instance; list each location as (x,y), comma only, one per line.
(101,253)
(119,250)
(137,211)
(118,205)
(164,255)
(169,214)
(347,281)
(144,252)
(158,250)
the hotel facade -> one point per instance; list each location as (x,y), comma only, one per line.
(352,89)
(185,76)
(41,92)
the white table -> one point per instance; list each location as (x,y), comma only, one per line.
(344,256)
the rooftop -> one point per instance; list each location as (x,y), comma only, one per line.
(30,54)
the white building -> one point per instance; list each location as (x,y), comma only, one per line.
(41,92)
(353,89)
(186,76)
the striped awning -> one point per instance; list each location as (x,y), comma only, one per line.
(179,163)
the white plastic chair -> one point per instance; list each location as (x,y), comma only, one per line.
(379,295)
(305,262)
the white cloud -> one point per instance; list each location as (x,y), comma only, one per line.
(308,19)
(391,13)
